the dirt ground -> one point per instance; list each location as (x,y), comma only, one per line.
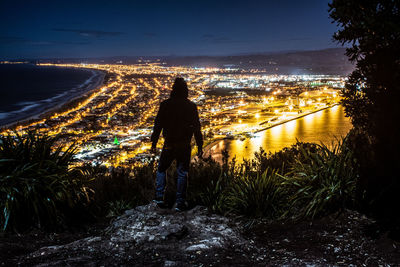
(342,239)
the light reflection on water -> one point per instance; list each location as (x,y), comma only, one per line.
(324,126)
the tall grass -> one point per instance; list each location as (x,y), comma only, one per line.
(303,181)
(206,183)
(255,196)
(118,189)
(323,181)
(37,185)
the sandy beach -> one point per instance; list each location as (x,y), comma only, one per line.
(43,108)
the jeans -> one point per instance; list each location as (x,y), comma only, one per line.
(182,156)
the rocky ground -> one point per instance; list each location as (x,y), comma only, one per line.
(148,236)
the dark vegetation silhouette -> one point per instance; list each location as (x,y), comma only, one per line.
(371,97)
(39,189)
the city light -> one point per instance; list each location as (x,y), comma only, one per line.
(112,125)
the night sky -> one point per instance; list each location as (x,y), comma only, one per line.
(63,29)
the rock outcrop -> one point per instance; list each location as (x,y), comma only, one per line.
(145,230)
(148,236)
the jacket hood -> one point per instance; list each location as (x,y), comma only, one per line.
(179,89)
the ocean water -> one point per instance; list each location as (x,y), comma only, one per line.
(326,126)
(27,89)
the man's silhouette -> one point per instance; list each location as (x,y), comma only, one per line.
(178,119)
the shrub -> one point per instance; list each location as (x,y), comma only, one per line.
(37,184)
(304,180)
(323,181)
(256,197)
(118,188)
(205,184)
(39,187)
(281,160)
(313,180)
(370,96)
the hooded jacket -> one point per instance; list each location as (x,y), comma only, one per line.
(178,119)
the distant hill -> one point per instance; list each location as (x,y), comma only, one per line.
(328,61)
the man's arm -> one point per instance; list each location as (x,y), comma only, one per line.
(157,128)
(197,133)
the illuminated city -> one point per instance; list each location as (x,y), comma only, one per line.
(113,124)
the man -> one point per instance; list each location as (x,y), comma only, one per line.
(178,119)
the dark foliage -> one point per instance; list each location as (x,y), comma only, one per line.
(118,189)
(40,188)
(371,95)
(305,180)
(37,185)
(322,181)
(260,196)
(204,185)
(281,160)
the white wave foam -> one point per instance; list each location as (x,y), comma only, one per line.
(56,97)
(25,103)
(28,105)
(89,80)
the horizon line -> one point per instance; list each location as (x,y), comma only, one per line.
(173,55)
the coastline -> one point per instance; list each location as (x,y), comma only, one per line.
(53,104)
(213,143)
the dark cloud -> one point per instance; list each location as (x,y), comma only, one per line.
(148,28)
(89,33)
(18,40)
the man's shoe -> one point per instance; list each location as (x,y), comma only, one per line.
(160,203)
(180,207)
